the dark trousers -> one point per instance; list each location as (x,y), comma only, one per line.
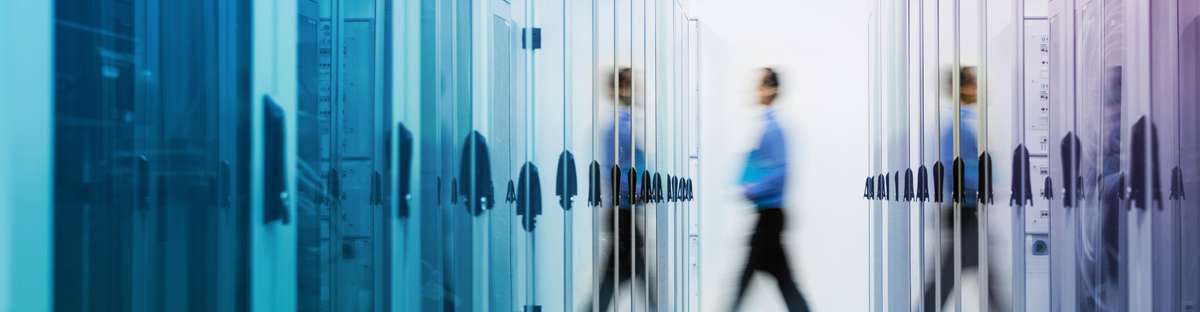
(969,222)
(635,246)
(768,255)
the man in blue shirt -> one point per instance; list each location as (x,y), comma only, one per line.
(764,180)
(968,150)
(620,218)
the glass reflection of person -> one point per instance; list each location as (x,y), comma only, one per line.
(764,183)
(620,219)
(968,115)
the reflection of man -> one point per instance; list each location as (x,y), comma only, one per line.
(624,226)
(1099,287)
(968,218)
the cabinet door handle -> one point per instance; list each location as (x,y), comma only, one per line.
(1048,189)
(633,186)
(275,193)
(565,182)
(869,189)
(909,195)
(957,191)
(922,184)
(376,188)
(1177,189)
(405,140)
(616,185)
(1070,158)
(594,184)
(939,182)
(887,185)
(142,166)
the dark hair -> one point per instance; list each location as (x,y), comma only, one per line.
(966,76)
(622,79)
(770,78)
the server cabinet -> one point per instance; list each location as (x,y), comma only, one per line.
(1058,188)
(1030,286)
(343,126)
(153,156)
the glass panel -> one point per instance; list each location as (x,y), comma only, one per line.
(929,98)
(1058,187)
(970,222)
(1163,153)
(1000,137)
(1189,150)
(343,134)
(153,130)
(875,159)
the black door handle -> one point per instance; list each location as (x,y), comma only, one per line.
(691,190)
(869,189)
(511,195)
(957,191)
(1070,158)
(529,196)
(594,184)
(899,191)
(939,182)
(333,185)
(646,187)
(405,139)
(909,194)
(922,184)
(376,188)
(142,166)
(275,194)
(1022,190)
(658,189)
(475,168)
(454,191)
(985,193)
(887,185)
(566,184)
(616,185)
(1048,189)
(670,181)
(881,187)
(1177,189)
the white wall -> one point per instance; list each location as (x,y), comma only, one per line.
(820,49)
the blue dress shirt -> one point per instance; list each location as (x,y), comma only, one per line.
(625,144)
(968,150)
(764,178)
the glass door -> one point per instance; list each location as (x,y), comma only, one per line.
(343,127)
(1188,151)
(153,208)
(26,171)
(1059,186)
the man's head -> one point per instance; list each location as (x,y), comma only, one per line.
(968,90)
(620,85)
(768,87)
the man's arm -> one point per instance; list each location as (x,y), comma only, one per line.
(773,150)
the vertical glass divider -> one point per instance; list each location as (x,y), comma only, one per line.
(568,267)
